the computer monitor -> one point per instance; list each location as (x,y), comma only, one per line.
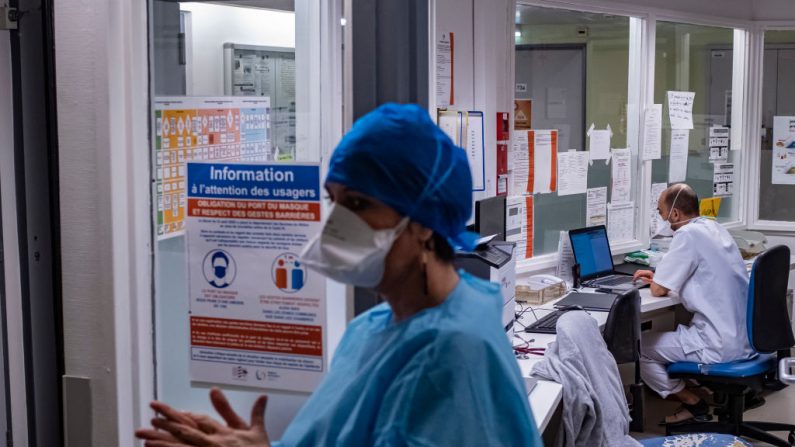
(592,251)
(490,217)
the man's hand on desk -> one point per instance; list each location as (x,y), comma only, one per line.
(647,276)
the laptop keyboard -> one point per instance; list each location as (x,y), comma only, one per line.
(614,280)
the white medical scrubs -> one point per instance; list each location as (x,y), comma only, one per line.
(705,268)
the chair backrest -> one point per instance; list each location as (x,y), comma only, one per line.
(622,329)
(769,327)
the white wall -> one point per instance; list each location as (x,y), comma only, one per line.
(102,80)
(483,51)
(214,25)
(85,198)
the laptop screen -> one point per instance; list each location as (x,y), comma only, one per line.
(592,251)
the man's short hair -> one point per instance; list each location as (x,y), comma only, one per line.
(686,201)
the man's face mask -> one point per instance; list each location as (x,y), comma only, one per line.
(348,250)
(220,271)
(664,229)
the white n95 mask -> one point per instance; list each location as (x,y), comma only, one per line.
(348,250)
(664,229)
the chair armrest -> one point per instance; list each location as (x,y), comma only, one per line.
(784,368)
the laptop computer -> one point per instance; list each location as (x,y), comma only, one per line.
(592,252)
(600,302)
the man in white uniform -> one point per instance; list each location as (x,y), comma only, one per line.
(705,268)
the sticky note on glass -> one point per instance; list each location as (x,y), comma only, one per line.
(710,207)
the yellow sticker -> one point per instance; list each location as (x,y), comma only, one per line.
(710,207)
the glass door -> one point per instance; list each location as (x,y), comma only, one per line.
(234,83)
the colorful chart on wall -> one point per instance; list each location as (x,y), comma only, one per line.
(202,129)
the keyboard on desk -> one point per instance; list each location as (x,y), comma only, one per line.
(545,324)
(612,280)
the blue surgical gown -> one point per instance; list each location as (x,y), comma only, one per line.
(445,376)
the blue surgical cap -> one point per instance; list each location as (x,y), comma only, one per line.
(398,155)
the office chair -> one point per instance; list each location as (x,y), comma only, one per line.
(621,329)
(622,336)
(770,334)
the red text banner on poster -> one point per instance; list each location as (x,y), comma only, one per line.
(256,336)
(253,209)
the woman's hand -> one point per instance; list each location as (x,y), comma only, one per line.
(178,429)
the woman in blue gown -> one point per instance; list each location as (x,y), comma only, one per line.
(430,366)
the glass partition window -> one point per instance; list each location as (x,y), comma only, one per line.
(777,157)
(573,66)
(231,81)
(698,59)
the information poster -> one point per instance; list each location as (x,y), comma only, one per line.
(621,171)
(452,123)
(543,147)
(620,222)
(652,132)
(534,162)
(521,164)
(656,191)
(202,129)
(572,172)
(596,207)
(445,70)
(519,224)
(719,144)
(565,258)
(723,180)
(677,165)
(680,109)
(503,139)
(599,143)
(783,150)
(475,147)
(257,315)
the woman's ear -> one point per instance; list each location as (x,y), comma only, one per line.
(423,235)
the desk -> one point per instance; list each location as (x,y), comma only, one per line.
(546,396)
(648,303)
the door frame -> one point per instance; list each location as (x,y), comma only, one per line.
(568,46)
(14,390)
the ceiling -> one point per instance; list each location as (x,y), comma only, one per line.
(278,5)
(533,15)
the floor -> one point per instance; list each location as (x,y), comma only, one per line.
(780,407)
